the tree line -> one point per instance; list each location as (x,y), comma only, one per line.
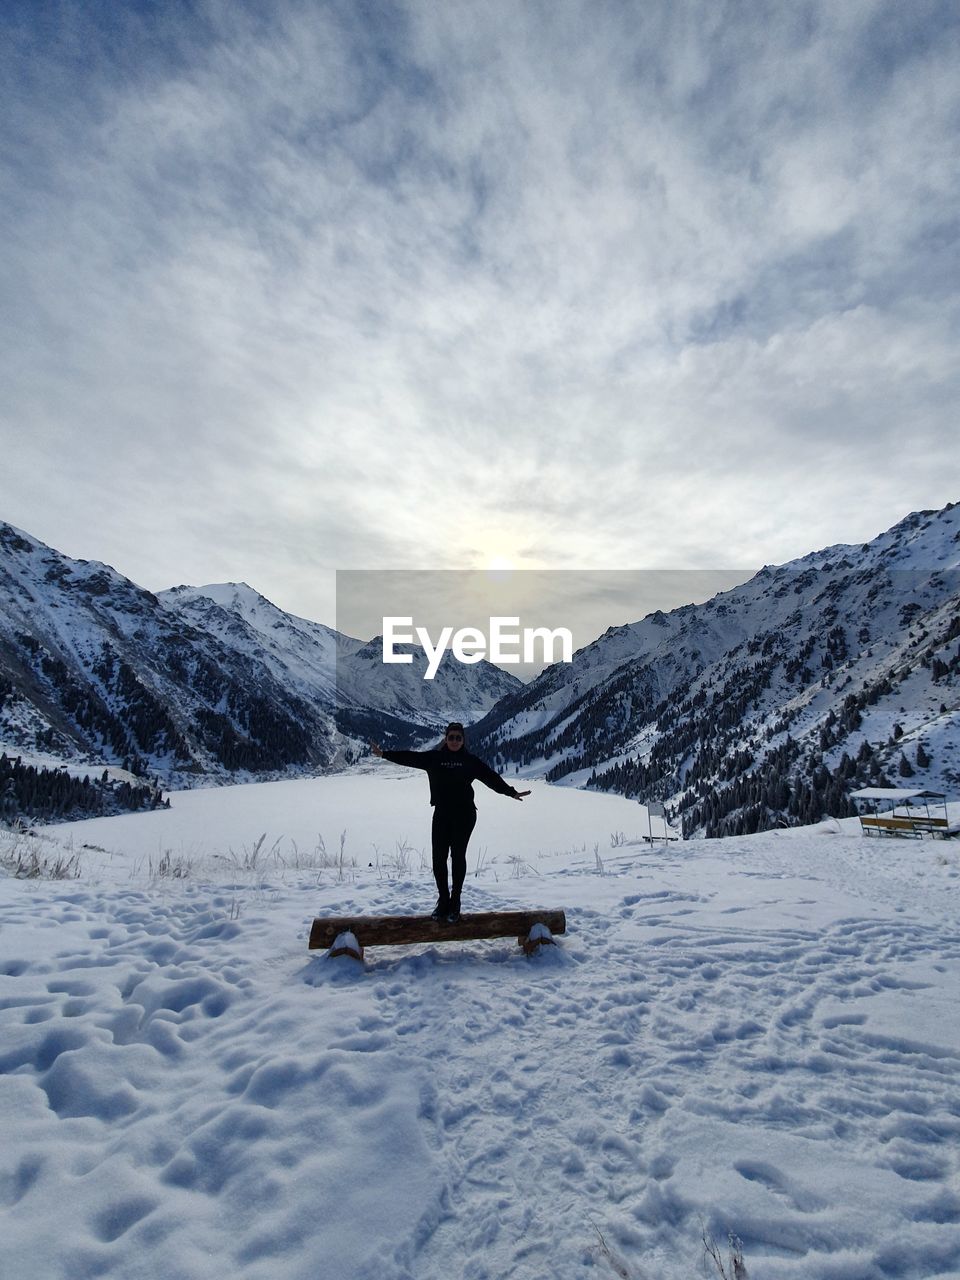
(32,793)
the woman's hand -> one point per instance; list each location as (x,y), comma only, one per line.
(375,748)
(518,795)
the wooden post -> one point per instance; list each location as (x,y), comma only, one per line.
(539,936)
(383,931)
(346,944)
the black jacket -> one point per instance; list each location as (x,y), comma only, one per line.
(451,775)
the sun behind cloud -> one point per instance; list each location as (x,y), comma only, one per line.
(499,564)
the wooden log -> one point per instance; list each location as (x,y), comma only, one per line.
(391,931)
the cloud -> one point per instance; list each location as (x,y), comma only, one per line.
(381,285)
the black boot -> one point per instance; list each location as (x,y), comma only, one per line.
(441,910)
(453,914)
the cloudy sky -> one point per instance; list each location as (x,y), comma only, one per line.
(296,287)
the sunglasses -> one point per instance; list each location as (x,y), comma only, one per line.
(454,737)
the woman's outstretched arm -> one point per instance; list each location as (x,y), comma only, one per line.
(490,778)
(412,759)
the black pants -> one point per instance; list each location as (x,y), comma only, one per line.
(451,832)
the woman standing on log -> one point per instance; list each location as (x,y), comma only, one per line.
(452,770)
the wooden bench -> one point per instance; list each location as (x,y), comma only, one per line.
(901,825)
(348,935)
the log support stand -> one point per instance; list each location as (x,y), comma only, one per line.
(346,944)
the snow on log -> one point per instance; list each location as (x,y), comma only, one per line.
(382,931)
(539,936)
(346,944)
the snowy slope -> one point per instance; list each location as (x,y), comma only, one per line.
(94,668)
(756,1036)
(199,684)
(848,650)
(325,666)
(301,653)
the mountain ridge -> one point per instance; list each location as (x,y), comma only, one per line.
(192,685)
(657,709)
(763,705)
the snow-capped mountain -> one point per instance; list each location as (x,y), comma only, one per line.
(326,666)
(197,683)
(767,703)
(300,653)
(94,666)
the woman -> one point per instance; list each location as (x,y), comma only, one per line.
(452,770)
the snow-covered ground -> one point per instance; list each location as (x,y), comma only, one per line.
(757,1036)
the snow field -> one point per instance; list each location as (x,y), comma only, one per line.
(757,1036)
